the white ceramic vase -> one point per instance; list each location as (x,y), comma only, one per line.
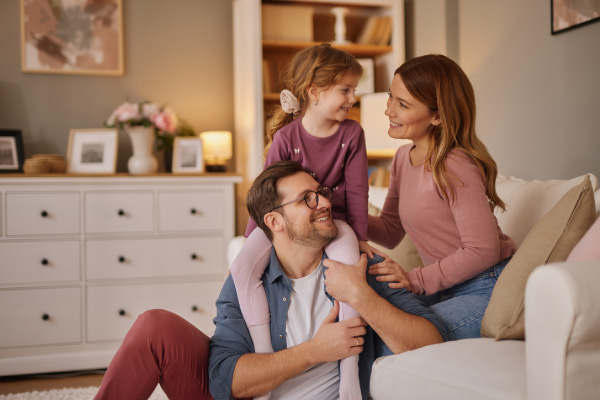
(142,141)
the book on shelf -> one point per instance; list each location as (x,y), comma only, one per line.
(377,31)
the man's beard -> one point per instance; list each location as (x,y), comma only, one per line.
(310,235)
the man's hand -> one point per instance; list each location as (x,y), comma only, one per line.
(389,271)
(346,282)
(337,340)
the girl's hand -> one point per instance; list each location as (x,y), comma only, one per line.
(366,248)
(389,271)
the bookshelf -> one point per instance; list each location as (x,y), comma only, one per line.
(258,60)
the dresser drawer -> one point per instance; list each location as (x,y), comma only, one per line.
(42,213)
(40,316)
(36,262)
(119,212)
(191,210)
(153,257)
(112,310)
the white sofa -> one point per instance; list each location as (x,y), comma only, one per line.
(560,358)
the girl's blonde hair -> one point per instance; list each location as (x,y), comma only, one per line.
(322,65)
(440,84)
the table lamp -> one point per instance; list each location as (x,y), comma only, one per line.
(216,149)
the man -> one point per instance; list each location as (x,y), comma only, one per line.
(290,206)
(292,210)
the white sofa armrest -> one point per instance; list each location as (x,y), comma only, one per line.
(562,328)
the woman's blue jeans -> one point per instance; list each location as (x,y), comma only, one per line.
(462,306)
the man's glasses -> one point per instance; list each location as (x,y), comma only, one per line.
(311,198)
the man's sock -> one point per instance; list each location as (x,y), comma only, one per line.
(349,383)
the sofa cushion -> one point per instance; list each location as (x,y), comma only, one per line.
(453,370)
(551,239)
(588,248)
(528,201)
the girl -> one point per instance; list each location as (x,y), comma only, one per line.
(311,128)
(442,195)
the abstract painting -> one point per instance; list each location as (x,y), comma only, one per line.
(569,14)
(83,37)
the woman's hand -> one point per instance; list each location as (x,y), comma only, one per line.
(389,271)
(369,250)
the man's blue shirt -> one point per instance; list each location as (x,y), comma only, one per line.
(231,339)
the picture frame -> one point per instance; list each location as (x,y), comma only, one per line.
(12,154)
(366,83)
(92,151)
(568,15)
(187,155)
(75,37)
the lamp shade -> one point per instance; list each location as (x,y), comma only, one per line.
(216,146)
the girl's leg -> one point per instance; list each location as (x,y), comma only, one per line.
(247,270)
(160,347)
(462,307)
(344,248)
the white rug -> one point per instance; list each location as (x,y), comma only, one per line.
(69,394)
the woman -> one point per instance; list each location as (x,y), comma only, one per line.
(442,195)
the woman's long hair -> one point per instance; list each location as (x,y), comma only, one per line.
(440,84)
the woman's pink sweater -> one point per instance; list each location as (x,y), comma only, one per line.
(455,242)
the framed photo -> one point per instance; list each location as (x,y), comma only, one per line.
(11,151)
(72,37)
(366,84)
(187,155)
(569,14)
(92,151)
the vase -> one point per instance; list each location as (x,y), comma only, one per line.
(142,141)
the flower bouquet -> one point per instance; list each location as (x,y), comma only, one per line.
(163,121)
(147,123)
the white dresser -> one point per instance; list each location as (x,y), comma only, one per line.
(82,257)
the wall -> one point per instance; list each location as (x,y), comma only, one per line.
(538,95)
(177,52)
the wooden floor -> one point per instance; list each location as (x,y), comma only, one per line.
(28,383)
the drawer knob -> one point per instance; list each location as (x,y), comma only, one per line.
(44,214)
(121,213)
(121,259)
(194,256)
(193,211)
(122,312)
(45,317)
(194,308)
(44,261)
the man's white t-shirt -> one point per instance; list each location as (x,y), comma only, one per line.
(308,307)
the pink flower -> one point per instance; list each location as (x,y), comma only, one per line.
(165,121)
(127,111)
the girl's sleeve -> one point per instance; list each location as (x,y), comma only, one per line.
(357,186)
(476,225)
(277,152)
(386,229)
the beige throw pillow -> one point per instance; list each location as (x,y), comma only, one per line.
(551,239)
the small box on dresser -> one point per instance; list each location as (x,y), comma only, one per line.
(82,257)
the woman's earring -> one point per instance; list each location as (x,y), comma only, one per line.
(316,103)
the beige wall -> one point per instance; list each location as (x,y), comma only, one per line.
(538,95)
(177,52)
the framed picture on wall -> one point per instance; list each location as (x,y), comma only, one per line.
(568,14)
(11,151)
(92,151)
(72,37)
(187,155)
